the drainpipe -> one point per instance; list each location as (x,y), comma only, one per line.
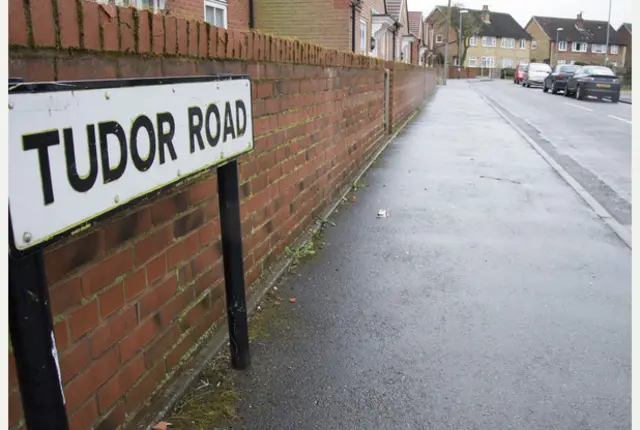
(395,40)
(252,23)
(354,5)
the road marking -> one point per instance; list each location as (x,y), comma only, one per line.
(620,119)
(579,107)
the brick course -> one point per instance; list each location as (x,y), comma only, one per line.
(134,295)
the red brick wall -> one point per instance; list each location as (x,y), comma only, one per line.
(134,296)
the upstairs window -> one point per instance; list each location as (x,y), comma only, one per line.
(488,41)
(598,49)
(562,45)
(508,43)
(472,41)
(523,43)
(614,49)
(215,12)
(579,47)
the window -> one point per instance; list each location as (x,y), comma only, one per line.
(472,41)
(561,62)
(215,12)
(562,45)
(507,63)
(579,47)
(614,49)
(523,43)
(598,49)
(363,37)
(439,38)
(472,62)
(488,41)
(508,43)
(488,62)
(534,44)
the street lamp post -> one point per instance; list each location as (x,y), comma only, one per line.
(460,40)
(606,51)
(558,30)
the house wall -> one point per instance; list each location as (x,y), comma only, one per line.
(135,296)
(625,37)
(330,25)
(366,12)
(515,54)
(547,49)
(237,11)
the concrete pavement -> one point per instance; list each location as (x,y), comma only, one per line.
(491,298)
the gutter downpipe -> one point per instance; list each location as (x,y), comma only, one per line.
(252,23)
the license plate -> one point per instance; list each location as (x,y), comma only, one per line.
(603,85)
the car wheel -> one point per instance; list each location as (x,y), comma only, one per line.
(580,93)
(566,91)
(615,99)
(544,87)
(528,85)
(554,90)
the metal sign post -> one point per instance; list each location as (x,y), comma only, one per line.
(82,151)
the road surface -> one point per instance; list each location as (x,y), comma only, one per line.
(493,297)
(590,139)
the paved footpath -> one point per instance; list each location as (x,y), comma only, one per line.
(492,298)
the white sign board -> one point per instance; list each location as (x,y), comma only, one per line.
(83,152)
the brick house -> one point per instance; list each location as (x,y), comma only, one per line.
(567,40)
(231,14)
(500,42)
(416,28)
(398,10)
(625,38)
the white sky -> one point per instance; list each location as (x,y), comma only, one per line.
(621,10)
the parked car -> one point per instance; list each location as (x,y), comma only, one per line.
(518,76)
(598,81)
(535,74)
(557,80)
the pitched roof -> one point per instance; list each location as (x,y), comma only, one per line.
(393,8)
(415,21)
(500,24)
(592,32)
(626,25)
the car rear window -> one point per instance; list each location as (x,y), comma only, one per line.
(540,68)
(524,68)
(599,70)
(569,69)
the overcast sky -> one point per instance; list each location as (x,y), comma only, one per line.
(621,10)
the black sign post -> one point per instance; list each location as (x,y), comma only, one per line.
(34,349)
(233,267)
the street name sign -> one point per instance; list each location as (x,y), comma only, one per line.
(80,151)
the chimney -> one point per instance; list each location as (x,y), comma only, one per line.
(579,22)
(485,14)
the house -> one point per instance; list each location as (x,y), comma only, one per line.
(568,40)
(402,40)
(363,26)
(232,14)
(495,39)
(417,29)
(624,37)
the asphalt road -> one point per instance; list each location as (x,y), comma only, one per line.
(493,297)
(591,139)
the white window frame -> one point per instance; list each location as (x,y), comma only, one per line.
(363,37)
(473,62)
(523,44)
(507,63)
(439,38)
(486,64)
(534,44)
(598,49)
(615,49)
(217,4)
(562,45)
(508,42)
(485,39)
(583,47)
(472,41)
(560,62)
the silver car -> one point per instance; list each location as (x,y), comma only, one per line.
(535,74)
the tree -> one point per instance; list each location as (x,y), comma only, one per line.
(471,26)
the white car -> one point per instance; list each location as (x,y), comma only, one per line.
(535,74)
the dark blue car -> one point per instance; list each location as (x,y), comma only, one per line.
(557,80)
(597,81)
